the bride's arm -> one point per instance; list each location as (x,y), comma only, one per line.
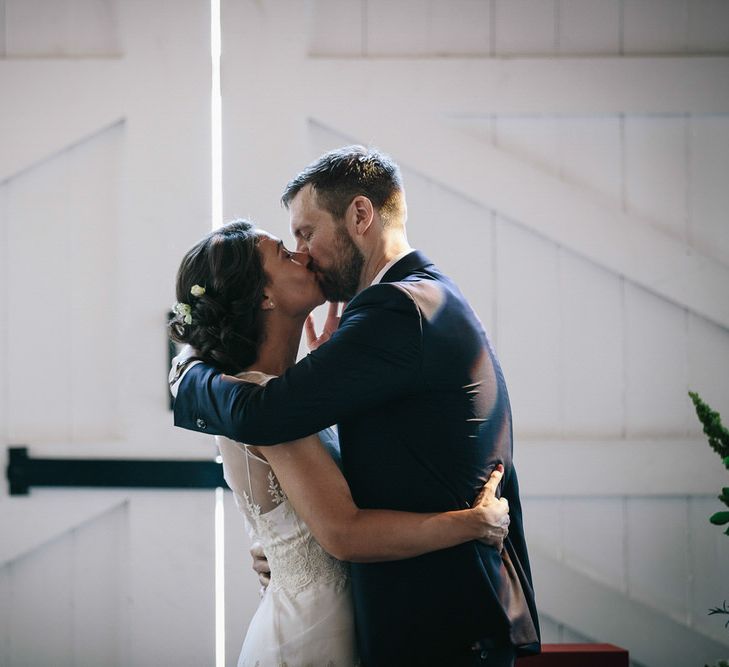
(321,497)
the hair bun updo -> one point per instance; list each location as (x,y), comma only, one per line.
(225,319)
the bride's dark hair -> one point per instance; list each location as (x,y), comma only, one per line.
(225,326)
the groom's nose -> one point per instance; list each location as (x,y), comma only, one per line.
(303,258)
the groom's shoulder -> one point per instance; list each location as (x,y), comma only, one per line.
(414,296)
(382,295)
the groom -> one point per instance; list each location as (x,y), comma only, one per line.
(423,413)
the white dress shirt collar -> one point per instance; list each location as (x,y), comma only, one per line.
(389,265)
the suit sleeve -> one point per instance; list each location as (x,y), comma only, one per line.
(374,356)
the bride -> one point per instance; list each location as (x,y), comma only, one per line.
(243,300)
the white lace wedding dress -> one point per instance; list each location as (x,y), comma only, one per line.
(305,618)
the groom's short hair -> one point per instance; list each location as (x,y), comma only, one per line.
(340,175)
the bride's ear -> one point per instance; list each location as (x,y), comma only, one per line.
(267,304)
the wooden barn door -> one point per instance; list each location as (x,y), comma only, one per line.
(104,182)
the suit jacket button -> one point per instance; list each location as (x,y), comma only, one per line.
(201,424)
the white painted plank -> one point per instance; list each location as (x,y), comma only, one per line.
(550,629)
(165,203)
(656,366)
(336,28)
(42,631)
(569,636)
(592,350)
(543,521)
(611,468)
(595,610)
(6,611)
(86,97)
(171,582)
(589,27)
(3,30)
(530,329)
(591,155)
(397,28)
(35,27)
(93,200)
(98,589)
(456,234)
(655,26)
(52,28)
(709,185)
(708,367)
(524,27)
(419,195)
(594,538)
(460,27)
(470,86)
(567,215)
(534,139)
(4,315)
(39,336)
(657,531)
(46,515)
(708,26)
(656,171)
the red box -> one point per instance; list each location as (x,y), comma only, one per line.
(577,655)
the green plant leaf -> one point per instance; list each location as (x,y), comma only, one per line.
(715,431)
(726,462)
(719,518)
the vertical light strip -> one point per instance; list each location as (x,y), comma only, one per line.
(216,182)
(219,578)
(216,106)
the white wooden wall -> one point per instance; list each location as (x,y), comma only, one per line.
(566,161)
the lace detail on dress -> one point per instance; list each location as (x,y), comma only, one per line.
(274,489)
(296,559)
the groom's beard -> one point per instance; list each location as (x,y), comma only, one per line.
(340,282)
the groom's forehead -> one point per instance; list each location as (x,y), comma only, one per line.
(306,219)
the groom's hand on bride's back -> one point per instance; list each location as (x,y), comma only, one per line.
(493,512)
(260,564)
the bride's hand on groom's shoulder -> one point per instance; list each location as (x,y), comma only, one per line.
(493,512)
(331,324)
(180,364)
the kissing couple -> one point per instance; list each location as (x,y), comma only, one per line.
(386,539)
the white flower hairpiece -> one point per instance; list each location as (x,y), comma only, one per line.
(184,311)
(196,290)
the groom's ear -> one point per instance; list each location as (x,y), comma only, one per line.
(360,213)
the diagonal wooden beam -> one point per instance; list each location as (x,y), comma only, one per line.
(562,212)
(471,86)
(46,519)
(50,104)
(607,615)
(688,468)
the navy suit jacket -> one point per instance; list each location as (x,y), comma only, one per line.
(424,416)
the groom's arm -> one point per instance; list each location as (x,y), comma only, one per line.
(374,356)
